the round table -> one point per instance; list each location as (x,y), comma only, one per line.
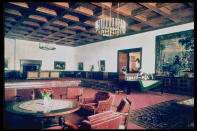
(37,109)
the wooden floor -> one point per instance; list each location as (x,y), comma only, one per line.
(138,99)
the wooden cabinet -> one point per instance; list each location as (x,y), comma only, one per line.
(180,85)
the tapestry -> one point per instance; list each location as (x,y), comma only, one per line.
(175,53)
(164,115)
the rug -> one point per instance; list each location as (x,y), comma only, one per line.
(165,115)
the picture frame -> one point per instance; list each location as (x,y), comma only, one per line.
(59,65)
(102,65)
(80,66)
(6,63)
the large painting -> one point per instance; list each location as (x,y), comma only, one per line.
(134,61)
(175,53)
(59,65)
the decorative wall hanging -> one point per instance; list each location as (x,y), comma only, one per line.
(6,63)
(59,65)
(80,66)
(175,53)
(102,65)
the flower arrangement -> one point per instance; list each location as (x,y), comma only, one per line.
(46,92)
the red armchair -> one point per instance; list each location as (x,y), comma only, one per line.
(104,120)
(124,109)
(74,93)
(101,102)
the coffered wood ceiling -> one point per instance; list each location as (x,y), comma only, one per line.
(72,24)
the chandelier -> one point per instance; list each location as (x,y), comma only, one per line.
(47,46)
(110,26)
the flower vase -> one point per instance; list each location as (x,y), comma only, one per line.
(46,101)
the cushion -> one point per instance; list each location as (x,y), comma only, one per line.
(99,96)
(121,105)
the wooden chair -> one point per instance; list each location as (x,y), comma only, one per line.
(74,93)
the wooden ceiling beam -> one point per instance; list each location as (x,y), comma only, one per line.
(49,22)
(153,7)
(23,18)
(10,19)
(134,12)
(133,17)
(140,14)
(56,18)
(84,10)
(46,10)
(134,27)
(71,17)
(62,4)
(120,4)
(21,4)
(14,12)
(90,23)
(57,22)
(36,17)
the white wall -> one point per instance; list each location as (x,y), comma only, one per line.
(30,50)
(90,54)
(107,50)
(9,52)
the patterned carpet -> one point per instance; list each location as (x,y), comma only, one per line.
(165,115)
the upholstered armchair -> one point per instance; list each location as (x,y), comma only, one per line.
(124,109)
(99,103)
(104,120)
(74,93)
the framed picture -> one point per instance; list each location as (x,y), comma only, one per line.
(102,65)
(80,66)
(6,63)
(175,53)
(59,65)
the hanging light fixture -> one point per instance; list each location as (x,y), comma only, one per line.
(110,26)
(47,46)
